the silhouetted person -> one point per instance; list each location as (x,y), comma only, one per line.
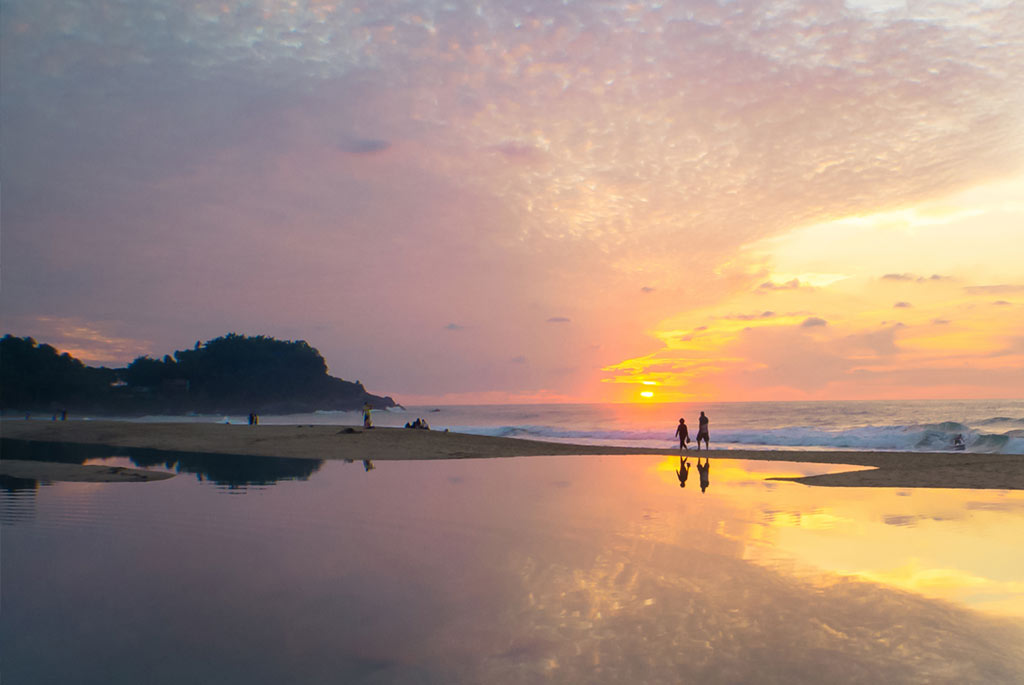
(704,472)
(367,419)
(683,472)
(64,415)
(252,418)
(958,441)
(368,463)
(684,434)
(702,432)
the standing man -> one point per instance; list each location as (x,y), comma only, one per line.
(367,419)
(702,432)
(684,434)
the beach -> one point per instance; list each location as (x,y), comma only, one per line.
(964,470)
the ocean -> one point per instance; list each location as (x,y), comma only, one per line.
(988,426)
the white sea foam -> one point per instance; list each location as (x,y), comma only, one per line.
(923,438)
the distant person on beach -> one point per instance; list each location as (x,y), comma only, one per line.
(683,472)
(702,432)
(704,472)
(368,463)
(684,434)
(367,419)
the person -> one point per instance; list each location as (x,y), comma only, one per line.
(683,472)
(367,419)
(958,442)
(702,431)
(684,434)
(64,415)
(368,463)
(704,472)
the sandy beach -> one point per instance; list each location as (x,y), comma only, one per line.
(893,469)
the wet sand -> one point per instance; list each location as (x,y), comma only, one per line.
(77,473)
(893,469)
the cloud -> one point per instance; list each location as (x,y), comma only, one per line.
(915,277)
(881,343)
(559,319)
(454,327)
(519,152)
(902,305)
(540,146)
(813,321)
(994,289)
(768,286)
(751,317)
(1002,302)
(940,322)
(365,146)
(518,359)
(647,289)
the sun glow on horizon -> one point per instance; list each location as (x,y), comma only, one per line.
(854,309)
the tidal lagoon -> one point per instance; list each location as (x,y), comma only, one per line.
(540,569)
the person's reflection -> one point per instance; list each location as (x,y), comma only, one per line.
(368,464)
(684,471)
(703,472)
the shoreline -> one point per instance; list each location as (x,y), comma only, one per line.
(333,442)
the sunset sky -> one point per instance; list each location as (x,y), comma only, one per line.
(571,200)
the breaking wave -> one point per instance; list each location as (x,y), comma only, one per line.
(936,437)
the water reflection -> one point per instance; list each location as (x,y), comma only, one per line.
(510,571)
(960,546)
(704,472)
(232,472)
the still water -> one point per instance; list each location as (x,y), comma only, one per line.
(561,569)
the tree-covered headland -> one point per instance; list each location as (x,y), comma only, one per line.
(230,374)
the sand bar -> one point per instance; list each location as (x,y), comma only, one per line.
(894,469)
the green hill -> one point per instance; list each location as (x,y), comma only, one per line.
(230,374)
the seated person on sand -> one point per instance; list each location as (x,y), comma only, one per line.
(704,472)
(683,472)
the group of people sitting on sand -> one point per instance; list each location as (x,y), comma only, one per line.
(418,423)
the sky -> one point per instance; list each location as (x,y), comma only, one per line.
(515,201)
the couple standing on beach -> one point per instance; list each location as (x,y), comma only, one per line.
(684,433)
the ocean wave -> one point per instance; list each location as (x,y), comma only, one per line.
(936,437)
(999,421)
